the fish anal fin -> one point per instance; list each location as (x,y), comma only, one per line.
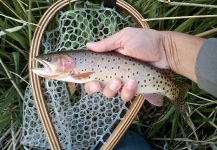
(82,75)
(179,102)
(154,98)
(182,108)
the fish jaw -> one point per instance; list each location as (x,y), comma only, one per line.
(52,67)
(46,71)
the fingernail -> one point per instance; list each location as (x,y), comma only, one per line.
(131,84)
(114,86)
(94,88)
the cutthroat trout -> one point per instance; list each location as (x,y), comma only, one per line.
(82,66)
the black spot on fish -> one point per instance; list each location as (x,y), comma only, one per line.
(125,62)
(153,78)
(138,82)
(137,72)
(128,69)
(154,85)
(119,58)
(108,60)
(115,73)
(148,74)
(133,64)
(144,81)
(106,76)
(110,76)
(102,58)
(122,77)
(98,65)
(149,80)
(112,67)
(113,59)
(141,85)
(118,67)
(128,76)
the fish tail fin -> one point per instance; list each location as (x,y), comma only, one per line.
(179,103)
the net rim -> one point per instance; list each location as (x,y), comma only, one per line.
(35,81)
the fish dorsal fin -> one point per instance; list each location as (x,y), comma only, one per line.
(154,98)
(82,75)
(169,73)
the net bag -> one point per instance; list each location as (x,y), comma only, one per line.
(54,119)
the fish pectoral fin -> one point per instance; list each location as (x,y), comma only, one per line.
(72,88)
(82,75)
(154,98)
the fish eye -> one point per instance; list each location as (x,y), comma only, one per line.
(48,58)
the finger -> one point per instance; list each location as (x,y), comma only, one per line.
(112,88)
(92,87)
(110,43)
(128,90)
(71,86)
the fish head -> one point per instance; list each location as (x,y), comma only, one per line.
(54,66)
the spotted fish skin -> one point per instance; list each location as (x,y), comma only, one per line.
(114,65)
(102,67)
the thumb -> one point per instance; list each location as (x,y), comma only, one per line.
(108,44)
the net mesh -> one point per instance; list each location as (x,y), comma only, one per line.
(81,121)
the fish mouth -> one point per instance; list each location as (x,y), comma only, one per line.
(44,66)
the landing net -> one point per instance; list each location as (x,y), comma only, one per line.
(81,121)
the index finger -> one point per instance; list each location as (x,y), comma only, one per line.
(110,43)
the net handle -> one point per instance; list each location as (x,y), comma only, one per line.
(124,124)
(35,81)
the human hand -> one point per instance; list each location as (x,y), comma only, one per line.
(142,44)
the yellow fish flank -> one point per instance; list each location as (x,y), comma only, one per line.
(82,66)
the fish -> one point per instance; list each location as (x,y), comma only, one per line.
(82,66)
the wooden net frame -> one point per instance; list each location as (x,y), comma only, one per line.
(37,88)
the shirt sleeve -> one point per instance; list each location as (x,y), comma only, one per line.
(206,66)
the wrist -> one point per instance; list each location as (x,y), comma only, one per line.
(181,52)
